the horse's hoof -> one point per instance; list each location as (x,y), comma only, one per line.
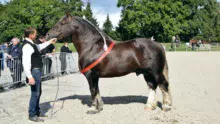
(147,109)
(91,112)
(100,108)
(150,107)
(166,108)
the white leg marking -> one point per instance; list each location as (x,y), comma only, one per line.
(151,102)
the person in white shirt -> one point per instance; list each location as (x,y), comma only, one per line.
(32,64)
(172,43)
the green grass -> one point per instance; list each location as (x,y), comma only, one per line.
(182,47)
(215,48)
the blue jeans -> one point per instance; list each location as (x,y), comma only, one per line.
(36,91)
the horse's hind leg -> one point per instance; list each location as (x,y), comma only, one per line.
(151,101)
(161,79)
(97,103)
(165,88)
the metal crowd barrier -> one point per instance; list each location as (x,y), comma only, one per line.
(57,64)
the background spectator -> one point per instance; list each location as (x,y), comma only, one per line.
(172,43)
(14,60)
(46,55)
(64,49)
(1,60)
(4,47)
(177,41)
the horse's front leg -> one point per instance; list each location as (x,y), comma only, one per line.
(97,103)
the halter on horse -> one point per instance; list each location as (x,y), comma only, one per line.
(139,55)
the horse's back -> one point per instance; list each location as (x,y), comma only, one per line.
(141,43)
(137,55)
(141,47)
(152,51)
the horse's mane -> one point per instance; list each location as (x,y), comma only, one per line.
(92,27)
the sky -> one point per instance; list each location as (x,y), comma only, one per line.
(101,8)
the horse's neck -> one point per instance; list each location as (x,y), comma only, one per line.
(84,42)
(85,38)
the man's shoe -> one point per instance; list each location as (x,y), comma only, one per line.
(41,115)
(1,89)
(36,119)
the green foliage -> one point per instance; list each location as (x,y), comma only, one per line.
(205,19)
(198,19)
(41,14)
(107,26)
(108,29)
(144,18)
(165,18)
(89,15)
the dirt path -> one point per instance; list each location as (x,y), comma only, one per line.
(195,84)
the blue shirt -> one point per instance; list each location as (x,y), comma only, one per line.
(15,51)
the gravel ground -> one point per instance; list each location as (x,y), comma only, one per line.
(194,80)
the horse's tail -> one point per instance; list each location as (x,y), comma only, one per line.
(165,71)
(165,88)
(165,68)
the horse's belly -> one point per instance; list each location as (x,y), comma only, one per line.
(113,74)
(119,63)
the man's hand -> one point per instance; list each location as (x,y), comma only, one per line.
(53,40)
(9,56)
(54,50)
(31,81)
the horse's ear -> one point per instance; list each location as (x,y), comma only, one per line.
(68,15)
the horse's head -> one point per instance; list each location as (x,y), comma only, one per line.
(62,28)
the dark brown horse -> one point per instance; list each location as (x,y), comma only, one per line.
(140,55)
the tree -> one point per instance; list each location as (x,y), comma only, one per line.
(216,24)
(107,26)
(2,7)
(144,18)
(204,19)
(89,15)
(109,30)
(73,6)
(20,14)
(163,19)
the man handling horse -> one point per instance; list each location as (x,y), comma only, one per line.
(32,63)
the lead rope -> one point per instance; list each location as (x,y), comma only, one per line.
(58,85)
(105,47)
(58,82)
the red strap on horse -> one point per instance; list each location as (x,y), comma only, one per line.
(99,59)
